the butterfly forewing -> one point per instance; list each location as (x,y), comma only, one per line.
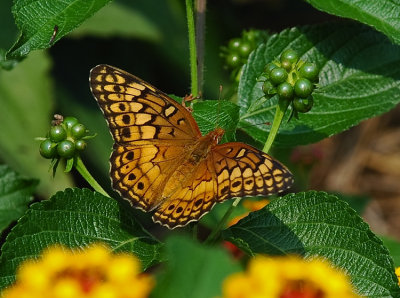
(161,162)
(137,112)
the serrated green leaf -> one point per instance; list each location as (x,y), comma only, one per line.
(193,270)
(383,15)
(316,223)
(25,114)
(15,195)
(75,218)
(210,114)
(36,19)
(359,79)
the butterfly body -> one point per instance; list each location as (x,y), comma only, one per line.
(161,162)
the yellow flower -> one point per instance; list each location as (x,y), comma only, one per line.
(288,277)
(90,273)
(398,274)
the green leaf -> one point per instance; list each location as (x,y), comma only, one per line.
(7,25)
(394,248)
(210,114)
(318,224)
(15,195)
(359,79)
(26,111)
(193,270)
(36,19)
(132,23)
(383,15)
(76,218)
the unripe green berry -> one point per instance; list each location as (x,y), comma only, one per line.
(269,67)
(78,131)
(233,60)
(309,71)
(285,90)
(66,149)
(80,145)
(57,133)
(289,56)
(48,149)
(70,121)
(278,75)
(245,49)
(234,44)
(303,105)
(303,88)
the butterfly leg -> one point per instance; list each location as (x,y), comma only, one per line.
(187,98)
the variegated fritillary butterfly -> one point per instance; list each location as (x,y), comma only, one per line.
(160,160)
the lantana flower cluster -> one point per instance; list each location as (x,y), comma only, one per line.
(91,273)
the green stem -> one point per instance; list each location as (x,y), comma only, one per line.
(88,177)
(192,48)
(215,233)
(279,113)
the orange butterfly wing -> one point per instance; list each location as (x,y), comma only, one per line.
(150,130)
(231,170)
(160,160)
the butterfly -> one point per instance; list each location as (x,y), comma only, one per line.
(161,161)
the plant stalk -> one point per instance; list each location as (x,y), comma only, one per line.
(192,48)
(81,168)
(279,113)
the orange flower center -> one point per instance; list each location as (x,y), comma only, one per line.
(86,278)
(301,289)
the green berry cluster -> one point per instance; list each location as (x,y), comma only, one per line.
(292,79)
(64,140)
(238,49)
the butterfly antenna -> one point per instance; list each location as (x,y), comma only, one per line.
(219,106)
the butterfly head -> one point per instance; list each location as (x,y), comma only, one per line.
(216,135)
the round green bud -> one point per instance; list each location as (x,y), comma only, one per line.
(268,88)
(80,145)
(285,90)
(70,121)
(234,44)
(269,67)
(303,105)
(289,57)
(278,75)
(245,49)
(66,149)
(57,133)
(78,131)
(303,88)
(309,71)
(233,60)
(48,149)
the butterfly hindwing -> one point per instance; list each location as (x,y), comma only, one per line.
(139,173)
(242,170)
(195,197)
(230,170)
